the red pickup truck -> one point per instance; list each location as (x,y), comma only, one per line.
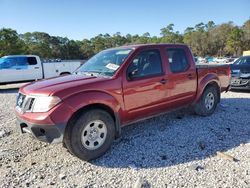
(116,87)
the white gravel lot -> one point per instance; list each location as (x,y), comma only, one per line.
(173,150)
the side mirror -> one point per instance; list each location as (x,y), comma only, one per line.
(132,74)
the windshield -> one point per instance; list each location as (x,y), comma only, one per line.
(243,61)
(105,63)
(2,60)
(6,63)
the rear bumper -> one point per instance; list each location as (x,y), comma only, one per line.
(45,133)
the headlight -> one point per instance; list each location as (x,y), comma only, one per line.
(44,104)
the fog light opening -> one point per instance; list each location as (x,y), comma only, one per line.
(42,131)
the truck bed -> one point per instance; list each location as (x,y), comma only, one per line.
(202,65)
(221,71)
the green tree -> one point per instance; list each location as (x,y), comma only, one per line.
(218,37)
(234,42)
(210,25)
(204,39)
(10,43)
(200,27)
(246,35)
(38,43)
(169,36)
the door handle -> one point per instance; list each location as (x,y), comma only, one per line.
(163,81)
(36,68)
(190,76)
(18,68)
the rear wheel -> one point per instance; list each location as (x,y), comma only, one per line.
(208,102)
(91,136)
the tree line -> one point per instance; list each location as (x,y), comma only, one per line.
(208,39)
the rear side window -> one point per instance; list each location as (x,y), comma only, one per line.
(177,60)
(147,63)
(31,60)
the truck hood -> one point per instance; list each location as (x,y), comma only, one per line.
(56,85)
(240,71)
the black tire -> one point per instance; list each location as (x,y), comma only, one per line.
(200,107)
(73,135)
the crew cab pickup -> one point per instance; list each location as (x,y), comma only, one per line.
(23,68)
(117,87)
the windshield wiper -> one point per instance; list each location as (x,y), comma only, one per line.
(93,73)
(90,73)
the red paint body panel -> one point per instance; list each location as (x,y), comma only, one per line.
(59,114)
(131,100)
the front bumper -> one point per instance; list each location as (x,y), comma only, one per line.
(45,133)
(240,83)
(47,126)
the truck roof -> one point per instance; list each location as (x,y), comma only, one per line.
(19,56)
(135,46)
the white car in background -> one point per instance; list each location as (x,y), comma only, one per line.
(22,68)
(221,60)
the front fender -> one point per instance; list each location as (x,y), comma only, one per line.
(82,99)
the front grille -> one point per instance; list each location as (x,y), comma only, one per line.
(245,71)
(240,82)
(28,104)
(24,103)
(20,100)
(244,81)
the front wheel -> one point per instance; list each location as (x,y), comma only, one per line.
(91,136)
(208,102)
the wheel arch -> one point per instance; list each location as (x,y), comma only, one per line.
(208,81)
(215,85)
(93,106)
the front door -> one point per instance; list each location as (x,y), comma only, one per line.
(33,70)
(144,86)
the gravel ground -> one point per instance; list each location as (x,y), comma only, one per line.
(173,150)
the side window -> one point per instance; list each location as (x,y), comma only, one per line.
(248,61)
(21,61)
(177,60)
(31,60)
(147,63)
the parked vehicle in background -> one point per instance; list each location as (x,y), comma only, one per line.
(115,88)
(232,59)
(240,73)
(23,68)
(201,60)
(209,59)
(220,60)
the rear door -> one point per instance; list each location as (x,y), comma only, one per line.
(144,84)
(182,76)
